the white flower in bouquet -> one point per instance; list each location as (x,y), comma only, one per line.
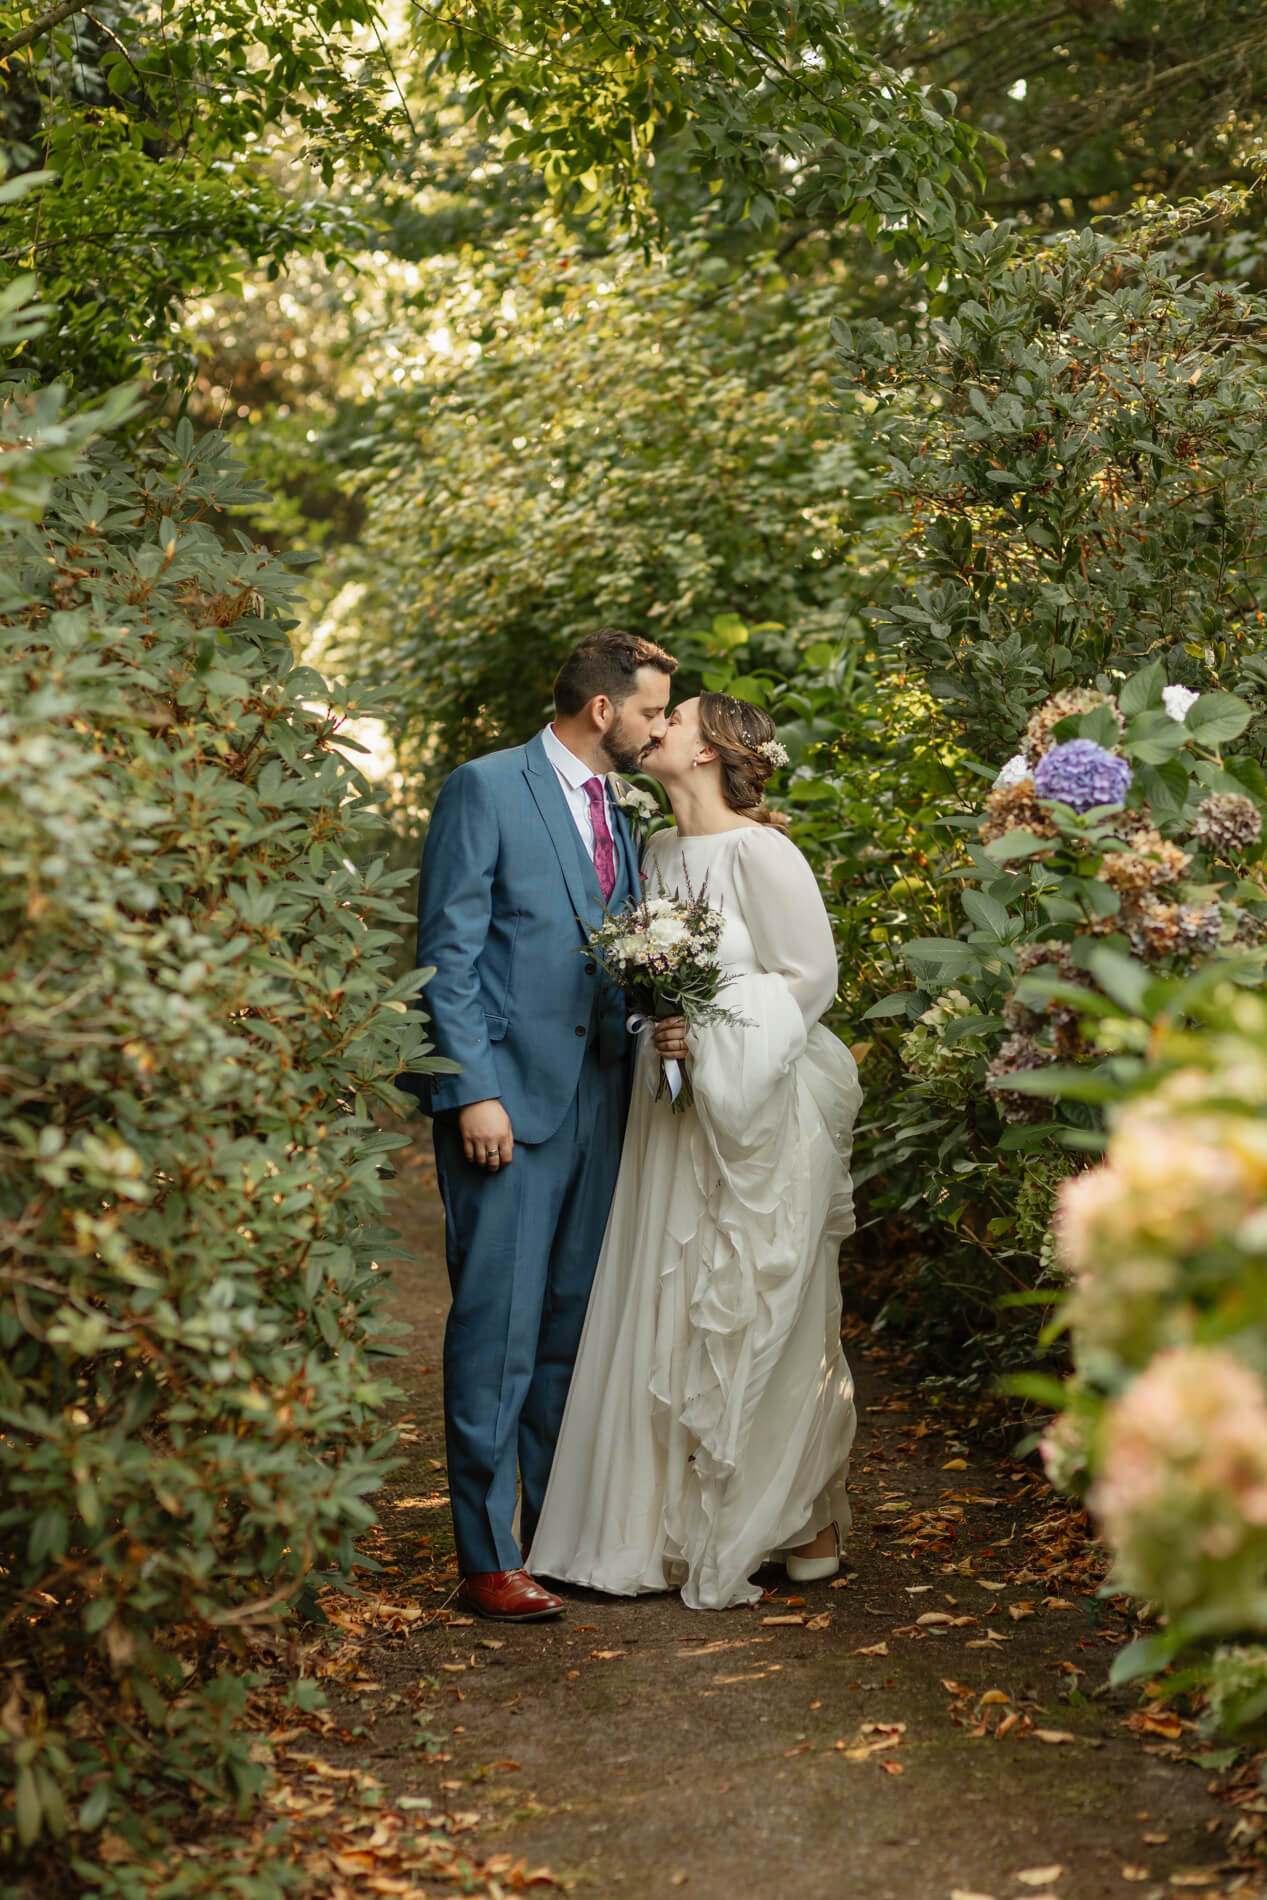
(661,953)
(1177,699)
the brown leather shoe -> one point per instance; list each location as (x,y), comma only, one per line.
(508,1596)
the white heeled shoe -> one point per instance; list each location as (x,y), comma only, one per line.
(813,1569)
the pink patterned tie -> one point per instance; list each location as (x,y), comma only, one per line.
(604,854)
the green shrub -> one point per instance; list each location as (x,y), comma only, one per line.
(1077,433)
(197,1022)
(1169,872)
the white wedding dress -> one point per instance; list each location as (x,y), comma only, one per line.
(710,1415)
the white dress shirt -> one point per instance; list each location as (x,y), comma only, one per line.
(572,775)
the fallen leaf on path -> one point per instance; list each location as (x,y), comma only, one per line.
(678,1880)
(916,1589)
(1040,1876)
(989,1586)
(505,1767)
(882,1728)
(1006,1725)
(992,1696)
(955,1464)
(820,1622)
(610,1655)
(892,1767)
(961,1893)
(489,1642)
(801,1748)
(1145,1722)
(1131,1872)
(1058,1603)
(1156,1840)
(1018,1611)
(768,1622)
(1054,1735)
(1194,1877)
(875,1649)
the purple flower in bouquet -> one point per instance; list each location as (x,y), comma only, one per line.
(1082,774)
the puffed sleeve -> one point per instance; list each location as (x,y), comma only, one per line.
(782,906)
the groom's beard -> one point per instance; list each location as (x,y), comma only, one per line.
(621,749)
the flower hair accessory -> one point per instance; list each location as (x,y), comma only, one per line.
(772,750)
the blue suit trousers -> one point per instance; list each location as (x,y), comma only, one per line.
(521,1245)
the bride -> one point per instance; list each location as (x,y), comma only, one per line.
(710,1415)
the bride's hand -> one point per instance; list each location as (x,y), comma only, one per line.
(670,1038)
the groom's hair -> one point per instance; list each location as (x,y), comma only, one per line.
(606,662)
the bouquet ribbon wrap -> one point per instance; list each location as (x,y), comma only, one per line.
(640,1024)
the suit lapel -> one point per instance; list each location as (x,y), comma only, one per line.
(628,851)
(578,871)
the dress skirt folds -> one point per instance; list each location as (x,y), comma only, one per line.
(710,1416)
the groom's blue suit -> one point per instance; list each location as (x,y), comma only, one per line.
(506,896)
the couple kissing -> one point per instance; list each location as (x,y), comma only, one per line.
(644,1384)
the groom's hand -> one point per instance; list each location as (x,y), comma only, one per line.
(670,1038)
(487,1136)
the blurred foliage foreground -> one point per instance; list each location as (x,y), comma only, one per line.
(197,1019)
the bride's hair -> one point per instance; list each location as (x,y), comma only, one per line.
(737,733)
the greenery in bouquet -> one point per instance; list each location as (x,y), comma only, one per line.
(661,952)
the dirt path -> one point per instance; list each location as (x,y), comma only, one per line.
(913,1733)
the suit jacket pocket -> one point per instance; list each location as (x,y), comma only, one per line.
(496,1026)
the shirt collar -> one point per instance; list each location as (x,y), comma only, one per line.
(572,770)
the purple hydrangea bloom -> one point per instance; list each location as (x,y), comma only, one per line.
(1082,774)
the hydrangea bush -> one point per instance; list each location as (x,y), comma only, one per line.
(1163,1246)
(197,1020)
(1120,822)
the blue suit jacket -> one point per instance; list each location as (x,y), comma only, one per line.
(506,896)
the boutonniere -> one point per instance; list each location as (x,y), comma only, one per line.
(642,810)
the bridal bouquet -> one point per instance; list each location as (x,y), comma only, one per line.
(662,953)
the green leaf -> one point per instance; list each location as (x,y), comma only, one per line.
(898,1004)
(1143,689)
(986,912)
(946,955)
(1057,1080)
(1217,717)
(1146,1655)
(1123,978)
(1017,844)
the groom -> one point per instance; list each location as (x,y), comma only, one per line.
(524,849)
